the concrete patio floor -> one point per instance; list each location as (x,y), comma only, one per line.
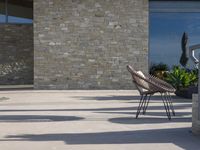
(91,120)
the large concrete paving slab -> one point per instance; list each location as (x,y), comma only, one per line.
(91,120)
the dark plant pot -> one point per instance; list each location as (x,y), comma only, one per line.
(187,92)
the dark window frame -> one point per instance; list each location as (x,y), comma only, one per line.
(4,12)
(162,6)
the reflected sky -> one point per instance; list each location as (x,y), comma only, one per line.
(166,30)
(2,18)
(12,19)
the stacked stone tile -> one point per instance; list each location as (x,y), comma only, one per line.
(86,44)
(16,54)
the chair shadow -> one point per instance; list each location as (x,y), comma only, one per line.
(37,118)
(148,120)
(178,114)
(181,137)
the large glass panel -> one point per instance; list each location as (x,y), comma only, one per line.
(166,30)
(20,11)
(2,11)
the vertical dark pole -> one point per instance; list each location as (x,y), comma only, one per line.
(6,5)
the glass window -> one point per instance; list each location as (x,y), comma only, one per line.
(16,11)
(20,11)
(168,22)
(2,11)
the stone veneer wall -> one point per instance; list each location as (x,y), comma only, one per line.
(195,115)
(16,54)
(196,109)
(86,44)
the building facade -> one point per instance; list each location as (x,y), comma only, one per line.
(86,44)
(78,44)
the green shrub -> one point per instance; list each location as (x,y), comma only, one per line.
(182,78)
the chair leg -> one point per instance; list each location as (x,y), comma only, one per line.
(170,103)
(142,100)
(166,106)
(146,104)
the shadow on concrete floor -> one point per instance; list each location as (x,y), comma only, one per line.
(181,137)
(36,118)
(4,98)
(178,114)
(134,108)
(131,98)
(148,120)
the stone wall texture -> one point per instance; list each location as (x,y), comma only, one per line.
(196,110)
(16,54)
(195,115)
(86,44)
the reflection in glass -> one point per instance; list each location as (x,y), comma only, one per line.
(2,11)
(20,11)
(166,30)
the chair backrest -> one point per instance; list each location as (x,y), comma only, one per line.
(139,79)
(149,83)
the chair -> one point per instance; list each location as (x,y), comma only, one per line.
(147,86)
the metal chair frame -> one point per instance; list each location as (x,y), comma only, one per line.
(155,85)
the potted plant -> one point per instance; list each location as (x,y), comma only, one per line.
(185,81)
(159,70)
